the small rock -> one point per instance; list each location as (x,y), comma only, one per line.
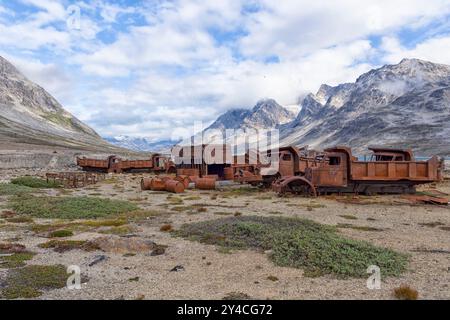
(158,251)
(124,245)
(98,259)
(135,279)
(177,268)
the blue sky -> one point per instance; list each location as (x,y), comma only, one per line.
(147,68)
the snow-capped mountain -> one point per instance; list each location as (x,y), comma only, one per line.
(30,115)
(141,144)
(267,114)
(403,105)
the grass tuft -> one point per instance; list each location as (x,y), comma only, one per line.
(297,243)
(406,293)
(9,189)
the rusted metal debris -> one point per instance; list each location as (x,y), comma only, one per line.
(427,199)
(114,164)
(75,179)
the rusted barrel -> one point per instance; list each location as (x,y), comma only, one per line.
(174,186)
(194,178)
(228,173)
(158,185)
(146,184)
(211,176)
(205,184)
(165,178)
(184,180)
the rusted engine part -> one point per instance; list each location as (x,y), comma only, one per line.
(75,179)
(338,171)
(165,184)
(114,164)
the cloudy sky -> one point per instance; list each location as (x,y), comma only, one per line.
(144,68)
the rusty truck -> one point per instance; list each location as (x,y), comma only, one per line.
(336,170)
(113,164)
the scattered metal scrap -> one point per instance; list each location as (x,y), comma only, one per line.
(427,199)
(75,179)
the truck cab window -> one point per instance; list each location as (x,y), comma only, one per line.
(335,161)
(286,157)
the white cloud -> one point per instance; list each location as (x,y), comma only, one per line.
(292,28)
(193,59)
(435,49)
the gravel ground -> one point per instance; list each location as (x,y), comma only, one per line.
(211,274)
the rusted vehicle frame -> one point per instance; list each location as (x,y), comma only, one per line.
(113,164)
(338,171)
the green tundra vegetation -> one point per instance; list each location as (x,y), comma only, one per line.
(298,243)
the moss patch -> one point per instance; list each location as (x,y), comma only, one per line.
(9,189)
(298,243)
(35,182)
(359,228)
(60,234)
(30,281)
(22,219)
(70,207)
(16,260)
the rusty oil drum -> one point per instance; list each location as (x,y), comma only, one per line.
(174,186)
(157,185)
(185,180)
(205,184)
(228,173)
(146,184)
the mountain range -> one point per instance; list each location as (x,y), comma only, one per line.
(266,114)
(141,144)
(30,115)
(406,105)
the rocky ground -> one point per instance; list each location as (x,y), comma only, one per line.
(184,269)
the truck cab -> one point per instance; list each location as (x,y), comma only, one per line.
(332,169)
